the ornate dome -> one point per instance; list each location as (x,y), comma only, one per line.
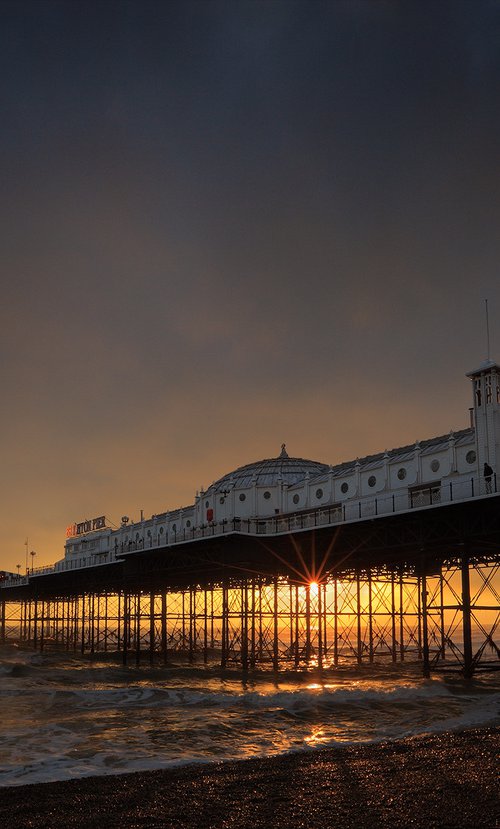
(269,471)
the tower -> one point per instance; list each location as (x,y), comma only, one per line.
(486,405)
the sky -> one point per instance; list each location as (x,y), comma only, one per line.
(231,225)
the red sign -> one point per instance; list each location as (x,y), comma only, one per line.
(86,526)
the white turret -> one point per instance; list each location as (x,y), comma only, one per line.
(486,406)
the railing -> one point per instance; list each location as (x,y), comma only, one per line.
(348,512)
(92,560)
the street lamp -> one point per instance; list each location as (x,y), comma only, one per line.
(18,570)
(32,554)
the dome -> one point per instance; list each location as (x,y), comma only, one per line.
(269,471)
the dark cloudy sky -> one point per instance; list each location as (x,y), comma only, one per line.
(228,225)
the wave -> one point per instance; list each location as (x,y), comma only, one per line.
(66,717)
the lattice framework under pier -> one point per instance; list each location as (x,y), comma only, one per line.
(445,617)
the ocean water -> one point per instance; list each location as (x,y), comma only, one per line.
(64,717)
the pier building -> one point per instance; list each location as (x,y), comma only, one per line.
(295,560)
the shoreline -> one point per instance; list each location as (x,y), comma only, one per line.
(447,779)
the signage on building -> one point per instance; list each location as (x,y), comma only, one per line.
(86,526)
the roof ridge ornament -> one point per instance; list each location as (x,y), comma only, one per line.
(283,453)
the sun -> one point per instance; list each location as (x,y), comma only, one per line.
(313,587)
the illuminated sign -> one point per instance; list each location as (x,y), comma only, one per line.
(86,526)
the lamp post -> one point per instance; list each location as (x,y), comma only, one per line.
(18,570)
(32,554)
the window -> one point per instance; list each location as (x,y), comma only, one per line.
(221,500)
(242,496)
(174,528)
(319,494)
(207,504)
(477,388)
(372,480)
(188,523)
(295,499)
(344,488)
(471,456)
(435,465)
(267,495)
(488,388)
(402,473)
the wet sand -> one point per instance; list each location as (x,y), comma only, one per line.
(445,780)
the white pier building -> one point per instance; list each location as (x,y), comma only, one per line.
(278,495)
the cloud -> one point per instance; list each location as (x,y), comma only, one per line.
(229,225)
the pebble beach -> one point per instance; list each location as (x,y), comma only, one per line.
(441,780)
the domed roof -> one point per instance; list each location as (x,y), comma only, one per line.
(269,471)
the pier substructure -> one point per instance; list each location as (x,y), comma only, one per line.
(420,586)
(443,619)
(463,614)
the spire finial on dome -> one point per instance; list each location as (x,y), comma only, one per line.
(283,453)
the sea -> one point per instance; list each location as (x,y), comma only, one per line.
(66,717)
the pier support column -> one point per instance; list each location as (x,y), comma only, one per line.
(325,621)
(23,621)
(119,622)
(225,626)
(42,627)
(151,628)
(296,649)
(35,624)
(275,625)
(192,624)
(466,616)
(320,628)
(244,626)
(335,623)
(370,619)
(252,626)
(138,629)
(30,620)
(92,622)
(205,626)
(2,621)
(126,628)
(308,622)
(82,632)
(425,629)
(106,621)
(393,620)
(419,616)
(74,622)
(67,622)
(359,653)
(164,635)
(441,614)
(401,619)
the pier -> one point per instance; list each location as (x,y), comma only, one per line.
(294,564)
(419,585)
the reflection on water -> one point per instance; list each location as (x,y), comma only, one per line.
(65,717)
